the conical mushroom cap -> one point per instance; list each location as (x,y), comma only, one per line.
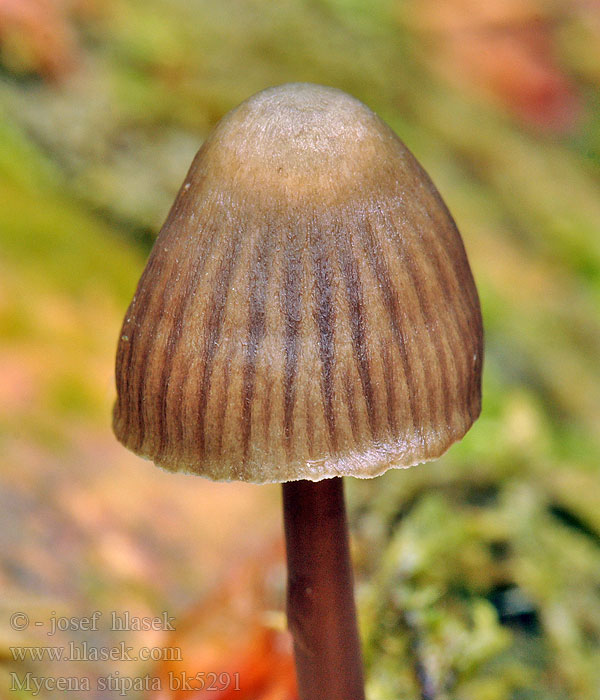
(307,310)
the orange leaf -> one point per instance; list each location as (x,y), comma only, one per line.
(505,50)
(228,649)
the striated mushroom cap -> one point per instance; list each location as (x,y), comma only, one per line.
(307,310)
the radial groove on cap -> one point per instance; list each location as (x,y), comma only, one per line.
(307,310)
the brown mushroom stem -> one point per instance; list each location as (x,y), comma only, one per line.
(320,596)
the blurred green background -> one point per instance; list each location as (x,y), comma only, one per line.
(478,576)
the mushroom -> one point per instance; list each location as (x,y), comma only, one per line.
(307,313)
